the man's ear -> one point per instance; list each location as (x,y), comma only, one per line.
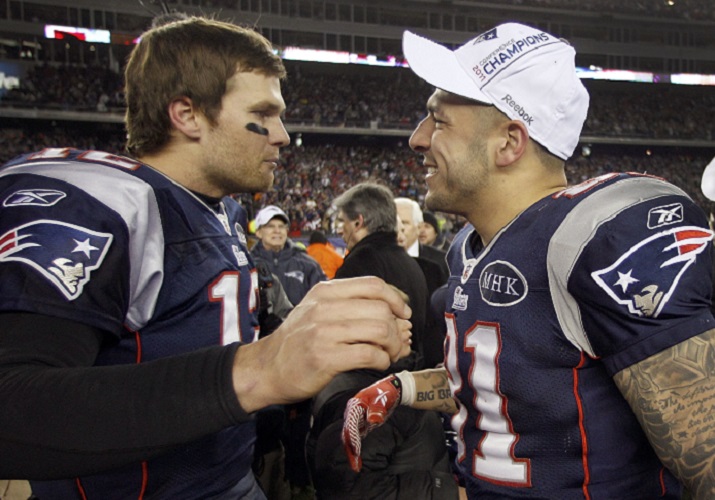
(514,139)
(184,117)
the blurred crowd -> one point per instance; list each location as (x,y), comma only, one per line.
(695,10)
(392,98)
(684,9)
(312,175)
(86,88)
(387,98)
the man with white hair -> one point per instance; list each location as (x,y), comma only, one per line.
(433,263)
(410,214)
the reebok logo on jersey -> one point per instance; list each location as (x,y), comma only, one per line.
(501,284)
(63,253)
(665,215)
(34,197)
(647,275)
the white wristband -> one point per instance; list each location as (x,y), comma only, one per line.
(409,392)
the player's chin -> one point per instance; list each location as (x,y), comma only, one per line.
(264,182)
(433,200)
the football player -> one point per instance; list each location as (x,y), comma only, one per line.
(128,298)
(580,350)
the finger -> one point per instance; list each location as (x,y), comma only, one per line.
(405,351)
(358,356)
(405,332)
(405,298)
(354,415)
(365,287)
(405,329)
(375,418)
(373,332)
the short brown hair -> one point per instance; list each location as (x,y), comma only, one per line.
(194,57)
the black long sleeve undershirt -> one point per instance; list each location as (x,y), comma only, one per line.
(62,417)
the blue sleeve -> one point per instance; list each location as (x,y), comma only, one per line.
(644,282)
(62,254)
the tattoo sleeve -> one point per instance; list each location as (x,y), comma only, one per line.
(673,396)
(432,391)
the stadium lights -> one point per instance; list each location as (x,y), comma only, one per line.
(342,57)
(82,34)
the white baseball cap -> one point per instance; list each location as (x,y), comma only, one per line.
(707,183)
(268,213)
(526,73)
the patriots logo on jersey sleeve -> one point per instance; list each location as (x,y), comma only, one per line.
(63,253)
(647,275)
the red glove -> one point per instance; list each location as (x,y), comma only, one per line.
(368,409)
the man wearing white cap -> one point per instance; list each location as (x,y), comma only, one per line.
(298,272)
(580,353)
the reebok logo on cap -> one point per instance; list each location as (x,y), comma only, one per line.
(526,117)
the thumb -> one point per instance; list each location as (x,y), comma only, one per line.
(375,415)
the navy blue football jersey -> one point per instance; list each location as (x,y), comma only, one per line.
(579,286)
(106,241)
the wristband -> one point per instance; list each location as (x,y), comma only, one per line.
(409,392)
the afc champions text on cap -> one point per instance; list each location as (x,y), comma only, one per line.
(528,74)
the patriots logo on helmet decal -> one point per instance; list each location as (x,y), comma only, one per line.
(647,275)
(63,253)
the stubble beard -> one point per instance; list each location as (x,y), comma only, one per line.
(457,193)
(257,181)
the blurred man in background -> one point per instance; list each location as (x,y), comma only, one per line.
(410,214)
(430,234)
(297,271)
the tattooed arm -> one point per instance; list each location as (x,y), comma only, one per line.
(673,395)
(432,391)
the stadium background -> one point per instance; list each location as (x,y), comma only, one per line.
(351,122)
